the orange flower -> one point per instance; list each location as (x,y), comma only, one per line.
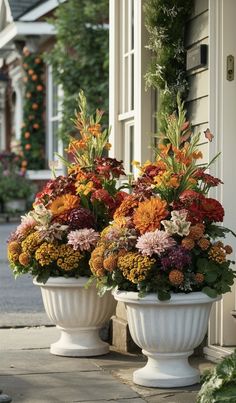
(188,243)
(76,145)
(197,155)
(64,203)
(199,278)
(149,214)
(107,146)
(196,231)
(127,207)
(95,130)
(176,277)
(204,243)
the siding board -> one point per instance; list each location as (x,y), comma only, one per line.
(197,29)
(199,7)
(198,85)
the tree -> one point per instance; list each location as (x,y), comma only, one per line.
(80,56)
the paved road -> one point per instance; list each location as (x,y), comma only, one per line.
(20,301)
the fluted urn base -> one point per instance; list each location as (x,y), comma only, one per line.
(167,332)
(79,313)
(79,343)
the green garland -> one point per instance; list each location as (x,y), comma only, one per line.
(165,21)
(33,128)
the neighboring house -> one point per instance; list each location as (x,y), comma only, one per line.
(211,103)
(24,23)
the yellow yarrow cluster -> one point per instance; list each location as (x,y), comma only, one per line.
(68,258)
(135,266)
(217,254)
(46,254)
(31,243)
(14,250)
(96,261)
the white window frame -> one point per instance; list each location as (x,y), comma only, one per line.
(120,115)
(51,118)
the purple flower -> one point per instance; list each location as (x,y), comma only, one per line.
(177,258)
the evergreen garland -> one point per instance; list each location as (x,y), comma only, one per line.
(165,21)
(33,128)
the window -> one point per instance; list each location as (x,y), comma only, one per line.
(131,108)
(54,101)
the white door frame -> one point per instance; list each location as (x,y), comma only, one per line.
(222,121)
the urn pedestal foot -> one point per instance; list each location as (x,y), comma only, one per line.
(166,370)
(4,398)
(79,343)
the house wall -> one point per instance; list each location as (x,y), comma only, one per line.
(197,32)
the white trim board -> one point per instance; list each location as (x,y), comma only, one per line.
(24,28)
(41,10)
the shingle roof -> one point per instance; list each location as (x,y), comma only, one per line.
(20,7)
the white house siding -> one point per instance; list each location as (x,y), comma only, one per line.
(197,102)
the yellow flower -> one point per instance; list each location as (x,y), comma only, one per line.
(85,189)
(46,254)
(31,243)
(134,266)
(68,258)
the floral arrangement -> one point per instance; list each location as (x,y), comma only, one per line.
(56,238)
(165,236)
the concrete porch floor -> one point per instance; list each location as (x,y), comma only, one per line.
(30,374)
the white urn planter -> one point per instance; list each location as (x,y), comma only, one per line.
(167,332)
(78,313)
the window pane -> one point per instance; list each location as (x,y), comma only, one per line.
(131,147)
(55,136)
(54,99)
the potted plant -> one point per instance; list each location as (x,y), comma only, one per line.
(219,384)
(163,254)
(55,239)
(15,188)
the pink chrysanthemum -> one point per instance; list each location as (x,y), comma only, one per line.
(155,242)
(83,239)
(27,224)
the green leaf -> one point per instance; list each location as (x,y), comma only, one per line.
(211,277)
(210,292)
(202,265)
(43,276)
(163,295)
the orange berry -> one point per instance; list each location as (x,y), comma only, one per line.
(37,60)
(24,163)
(199,278)
(36,126)
(27,147)
(34,77)
(39,87)
(228,249)
(28,95)
(25,79)
(27,135)
(30,72)
(31,117)
(35,106)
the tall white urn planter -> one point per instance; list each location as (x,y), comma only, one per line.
(167,332)
(79,313)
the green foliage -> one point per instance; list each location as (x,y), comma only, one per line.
(80,55)
(33,130)
(13,184)
(219,385)
(165,21)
